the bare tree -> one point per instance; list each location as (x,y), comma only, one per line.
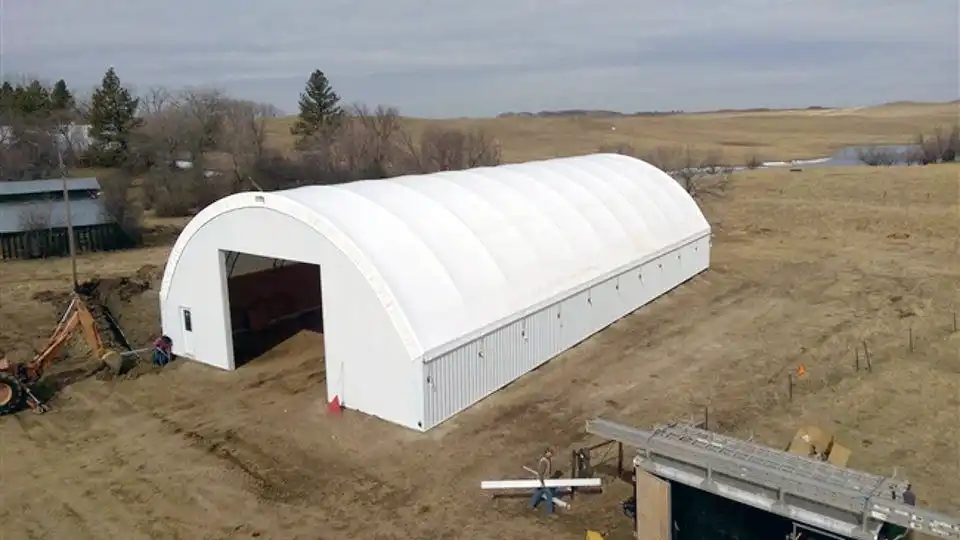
(156,99)
(482,150)
(119,205)
(754,162)
(274,170)
(157,141)
(172,192)
(202,121)
(713,163)
(450,150)
(379,132)
(36,221)
(243,137)
(184,126)
(29,149)
(618,148)
(200,145)
(366,144)
(683,162)
(685,169)
(15,158)
(878,157)
(938,147)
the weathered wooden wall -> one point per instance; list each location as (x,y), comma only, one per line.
(54,242)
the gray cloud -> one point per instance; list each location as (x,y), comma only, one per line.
(442,58)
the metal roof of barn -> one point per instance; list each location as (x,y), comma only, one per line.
(30,187)
(84,212)
(842,501)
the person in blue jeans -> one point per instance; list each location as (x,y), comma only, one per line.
(544,470)
(162,351)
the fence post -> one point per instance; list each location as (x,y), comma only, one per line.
(856,364)
(866,356)
(911,339)
(954,321)
(790,386)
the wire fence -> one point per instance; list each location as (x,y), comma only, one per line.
(816,370)
(864,358)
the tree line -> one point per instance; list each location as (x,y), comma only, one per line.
(174,151)
(33,117)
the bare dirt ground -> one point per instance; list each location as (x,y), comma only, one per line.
(806,267)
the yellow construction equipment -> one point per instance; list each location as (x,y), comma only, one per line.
(16,380)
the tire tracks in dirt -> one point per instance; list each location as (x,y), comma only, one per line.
(284,474)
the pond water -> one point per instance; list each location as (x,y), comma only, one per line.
(850,157)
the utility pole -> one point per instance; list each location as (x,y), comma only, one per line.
(66,201)
(2,73)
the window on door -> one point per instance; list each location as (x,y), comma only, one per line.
(187,321)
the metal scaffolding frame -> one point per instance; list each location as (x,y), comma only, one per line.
(808,491)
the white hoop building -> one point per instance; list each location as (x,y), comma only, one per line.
(435,290)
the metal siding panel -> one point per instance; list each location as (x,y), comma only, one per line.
(462,377)
(457,381)
(429,396)
(672,263)
(575,316)
(652,273)
(632,290)
(543,336)
(507,356)
(606,304)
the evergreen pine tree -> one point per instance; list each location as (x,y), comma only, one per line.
(33,99)
(320,108)
(7,97)
(61,98)
(112,118)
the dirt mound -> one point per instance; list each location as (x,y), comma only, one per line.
(122,289)
(133,369)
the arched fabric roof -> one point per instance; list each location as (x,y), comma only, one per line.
(452,252)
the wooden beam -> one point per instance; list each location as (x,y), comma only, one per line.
(533,484)
(556,501)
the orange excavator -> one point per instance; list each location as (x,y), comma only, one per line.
(17,379)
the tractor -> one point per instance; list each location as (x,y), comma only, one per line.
(17,380)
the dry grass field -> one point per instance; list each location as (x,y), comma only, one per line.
(807,266)
(770,136)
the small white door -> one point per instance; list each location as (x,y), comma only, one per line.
(186,321)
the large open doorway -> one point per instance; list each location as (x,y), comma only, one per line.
(271,301)
(699,514)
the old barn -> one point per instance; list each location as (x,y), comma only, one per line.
(33,219)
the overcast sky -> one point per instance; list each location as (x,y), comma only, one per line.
(461,58)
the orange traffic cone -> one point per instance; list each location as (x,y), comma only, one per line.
(334,406)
